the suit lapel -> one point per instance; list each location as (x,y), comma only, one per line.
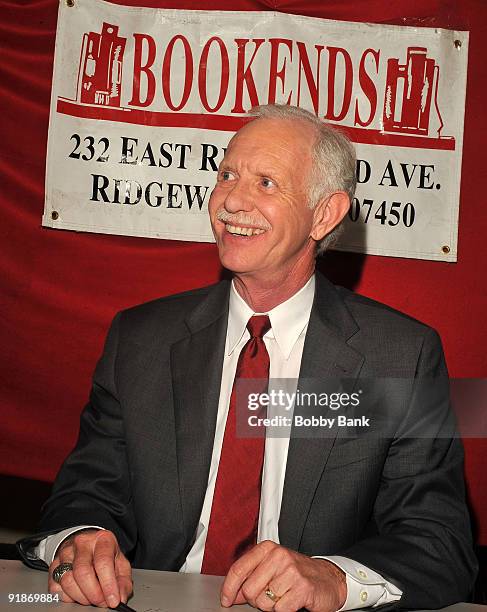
(326,355)
(196,369)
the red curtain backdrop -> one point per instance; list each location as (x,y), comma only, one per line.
(60,289)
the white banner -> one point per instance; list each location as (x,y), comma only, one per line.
(145,100)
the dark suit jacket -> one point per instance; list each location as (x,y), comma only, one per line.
(140,467)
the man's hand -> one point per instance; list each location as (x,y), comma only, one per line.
(296,581)
(101,574)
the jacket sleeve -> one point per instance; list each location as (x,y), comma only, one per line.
(93,484)
(423,542)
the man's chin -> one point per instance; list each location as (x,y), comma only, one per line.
(243,255)
(236,264)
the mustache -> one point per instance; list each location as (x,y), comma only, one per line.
(242,219)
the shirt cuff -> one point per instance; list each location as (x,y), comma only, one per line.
(365,588)
(47,548)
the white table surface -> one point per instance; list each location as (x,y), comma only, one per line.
(154,592)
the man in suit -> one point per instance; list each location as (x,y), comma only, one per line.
(159,475)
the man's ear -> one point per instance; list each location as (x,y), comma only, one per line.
(328,213)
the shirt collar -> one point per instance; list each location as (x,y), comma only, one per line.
(288,319)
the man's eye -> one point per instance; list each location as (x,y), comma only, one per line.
(267,182)
(226,175)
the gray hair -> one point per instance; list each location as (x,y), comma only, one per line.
(333,160)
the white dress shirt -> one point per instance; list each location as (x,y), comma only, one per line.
(284,342)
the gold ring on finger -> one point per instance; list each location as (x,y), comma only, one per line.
(271,595)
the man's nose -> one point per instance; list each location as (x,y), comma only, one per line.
(239,198)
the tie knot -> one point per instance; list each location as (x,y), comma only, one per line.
(258,325)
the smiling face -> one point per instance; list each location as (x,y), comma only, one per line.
(258,209)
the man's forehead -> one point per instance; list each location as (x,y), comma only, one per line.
(267,125)
(271,134)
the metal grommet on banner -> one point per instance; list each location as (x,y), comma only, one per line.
(445,249)
(70,3)
(54,215)
(457,43)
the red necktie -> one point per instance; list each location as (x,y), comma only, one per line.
(235,510)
